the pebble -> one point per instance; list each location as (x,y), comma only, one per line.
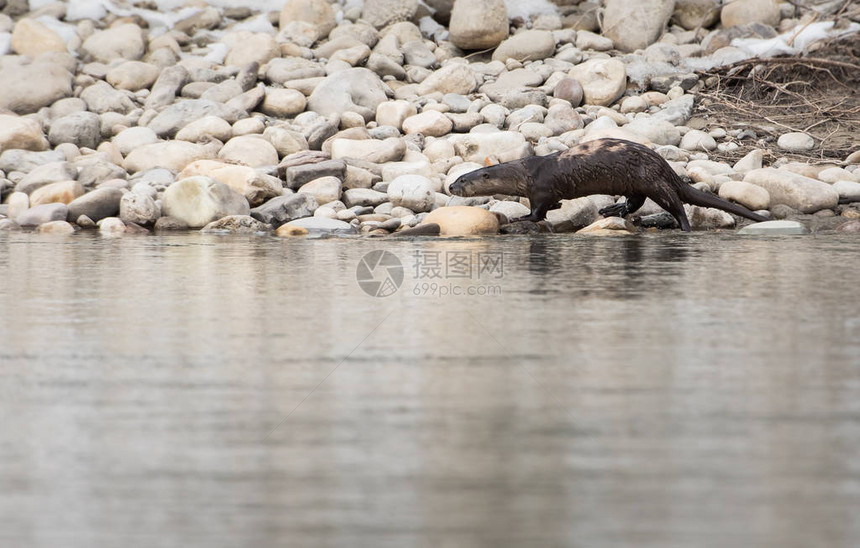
(611,226)
(795,142)
(315,226)
(774,228)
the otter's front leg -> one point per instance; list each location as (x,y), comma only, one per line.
(539,209)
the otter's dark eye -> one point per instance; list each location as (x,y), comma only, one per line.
(485,175)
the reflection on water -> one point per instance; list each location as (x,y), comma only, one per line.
(670,390)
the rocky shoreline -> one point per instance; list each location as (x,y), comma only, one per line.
(353,118)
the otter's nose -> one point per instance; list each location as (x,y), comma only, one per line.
(456,188)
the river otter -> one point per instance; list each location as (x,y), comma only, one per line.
(602,166)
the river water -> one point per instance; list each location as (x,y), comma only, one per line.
(664,390)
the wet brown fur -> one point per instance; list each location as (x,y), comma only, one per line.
(602,166)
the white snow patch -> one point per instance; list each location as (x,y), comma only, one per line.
(259,23)
(759,47)
(217,53)
(526,9)
(86,9)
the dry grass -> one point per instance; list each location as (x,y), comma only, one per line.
(818,94)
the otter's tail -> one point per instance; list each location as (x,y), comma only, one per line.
(692,195)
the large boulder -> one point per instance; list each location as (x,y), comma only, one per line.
(353,90)
(197,201)
(256,187)
(28,88)
(528,45)
(98,204)
(119,42)
(452,78)
(169,154)
(318,14)
(804,194)
(478,24)
(22,133)
(381,13)
(636,24)
(412,191)
(603,80)
(32,38)
(743,12)
(463,221)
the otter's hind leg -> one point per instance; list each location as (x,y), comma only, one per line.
(631,204)
(675,207)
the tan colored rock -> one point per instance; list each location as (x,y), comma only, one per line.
(33,38)
(430,123)
(478,24)
(318,13)
(59,228)
(250,150)
(463,221)
(611,226)
(62,192)
(603,80)
(636,24)
(256,187)
(23,133)
(752,197)
(742,12)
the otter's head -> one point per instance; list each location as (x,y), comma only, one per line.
(505,178)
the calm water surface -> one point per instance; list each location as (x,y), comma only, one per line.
(657,391)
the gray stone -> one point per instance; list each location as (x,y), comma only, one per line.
(363,197)
(138,208)
(26,161)
(795,142)
(296,176)
(101,97)
(283,209)
(774,228)
(381,13)
(353,90)
(83,129)
(175,117)
(42,214)
(572,215)
(28,88)
(98,204)
(527,45)
(164,91)
(676,111)
(46,174)
(849,191)
(236,224)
